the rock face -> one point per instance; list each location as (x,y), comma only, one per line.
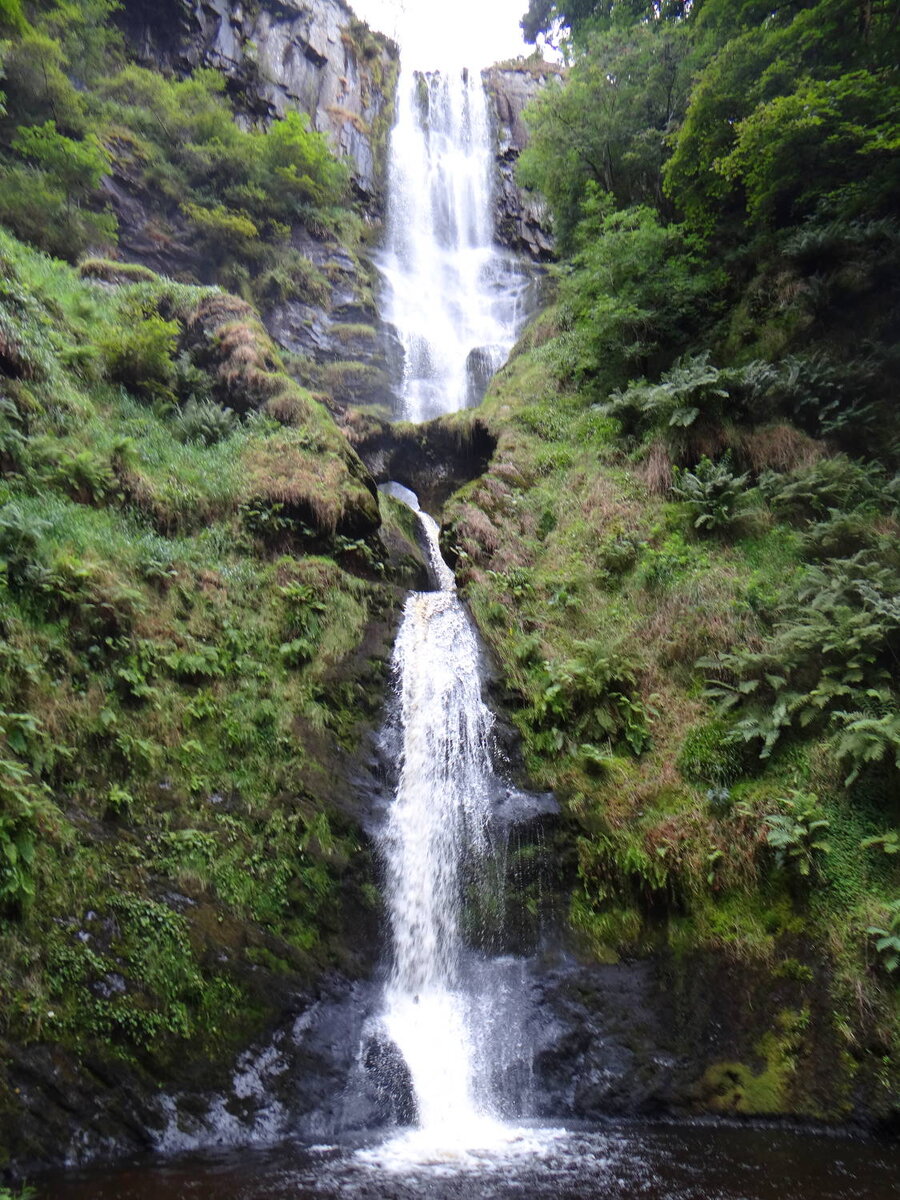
(280,55)
(522,218)
(349,351)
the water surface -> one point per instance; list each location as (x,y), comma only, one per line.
(619,1162)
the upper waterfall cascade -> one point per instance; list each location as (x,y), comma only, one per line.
(456,299)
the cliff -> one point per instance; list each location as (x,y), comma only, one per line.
(522,217)
(282,55)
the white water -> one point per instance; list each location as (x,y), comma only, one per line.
(438,822)
(453,1014)
(457,302)
(456,299)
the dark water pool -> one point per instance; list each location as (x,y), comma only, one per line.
(623,1162)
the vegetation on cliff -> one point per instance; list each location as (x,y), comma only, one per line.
(195,598)
(684,553)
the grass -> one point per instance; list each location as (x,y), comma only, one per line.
(162,740)
(569,540)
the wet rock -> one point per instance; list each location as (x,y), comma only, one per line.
(600,1048)
(522,217)
(481,364)
(432,459)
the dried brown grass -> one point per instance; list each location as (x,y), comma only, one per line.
(655,470)
(311,484)
(478,536)
(778,447)
(289,407)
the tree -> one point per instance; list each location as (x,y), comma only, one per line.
(608,122)
(544,15)
(78,166)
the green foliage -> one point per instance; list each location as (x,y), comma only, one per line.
(38,210)
(302,623)
(142,683)
(715,496)
(888,842)
(588,699)
(637,288)
(709,756)
(829,485)
(887,939)
(18,842)
(798,835)
(77,166)
(20,1193)
(865,740)
(205,422)
(691,392)
(792,150)
(829,660)
(606,124)
(141,355)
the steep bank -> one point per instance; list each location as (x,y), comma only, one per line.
(198,602)
(684,553)
(281,57)
(200,579)
(734,982)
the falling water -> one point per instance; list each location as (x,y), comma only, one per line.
(456,299)
(436,843)
(457,302)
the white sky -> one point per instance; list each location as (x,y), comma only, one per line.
(435,33)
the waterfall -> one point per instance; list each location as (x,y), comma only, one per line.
(454,1014)
(456,299)
(438,827)
(457,302)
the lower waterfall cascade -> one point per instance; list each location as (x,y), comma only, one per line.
(455,1014)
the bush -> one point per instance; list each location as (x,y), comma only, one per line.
(588,699)
(37,209)
(204,422)
(141,355)
(638,290)
(715,497)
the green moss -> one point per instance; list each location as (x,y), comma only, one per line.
(735,1088)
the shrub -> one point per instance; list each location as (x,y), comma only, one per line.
(21,537)
(204,422)
(140,355)
(830,484)
(715,496)
(588,700)
(77,166)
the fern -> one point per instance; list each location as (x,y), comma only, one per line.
(865,740)
(887,943)
(714,495)
(798,835)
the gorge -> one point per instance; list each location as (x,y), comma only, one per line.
(544,844)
